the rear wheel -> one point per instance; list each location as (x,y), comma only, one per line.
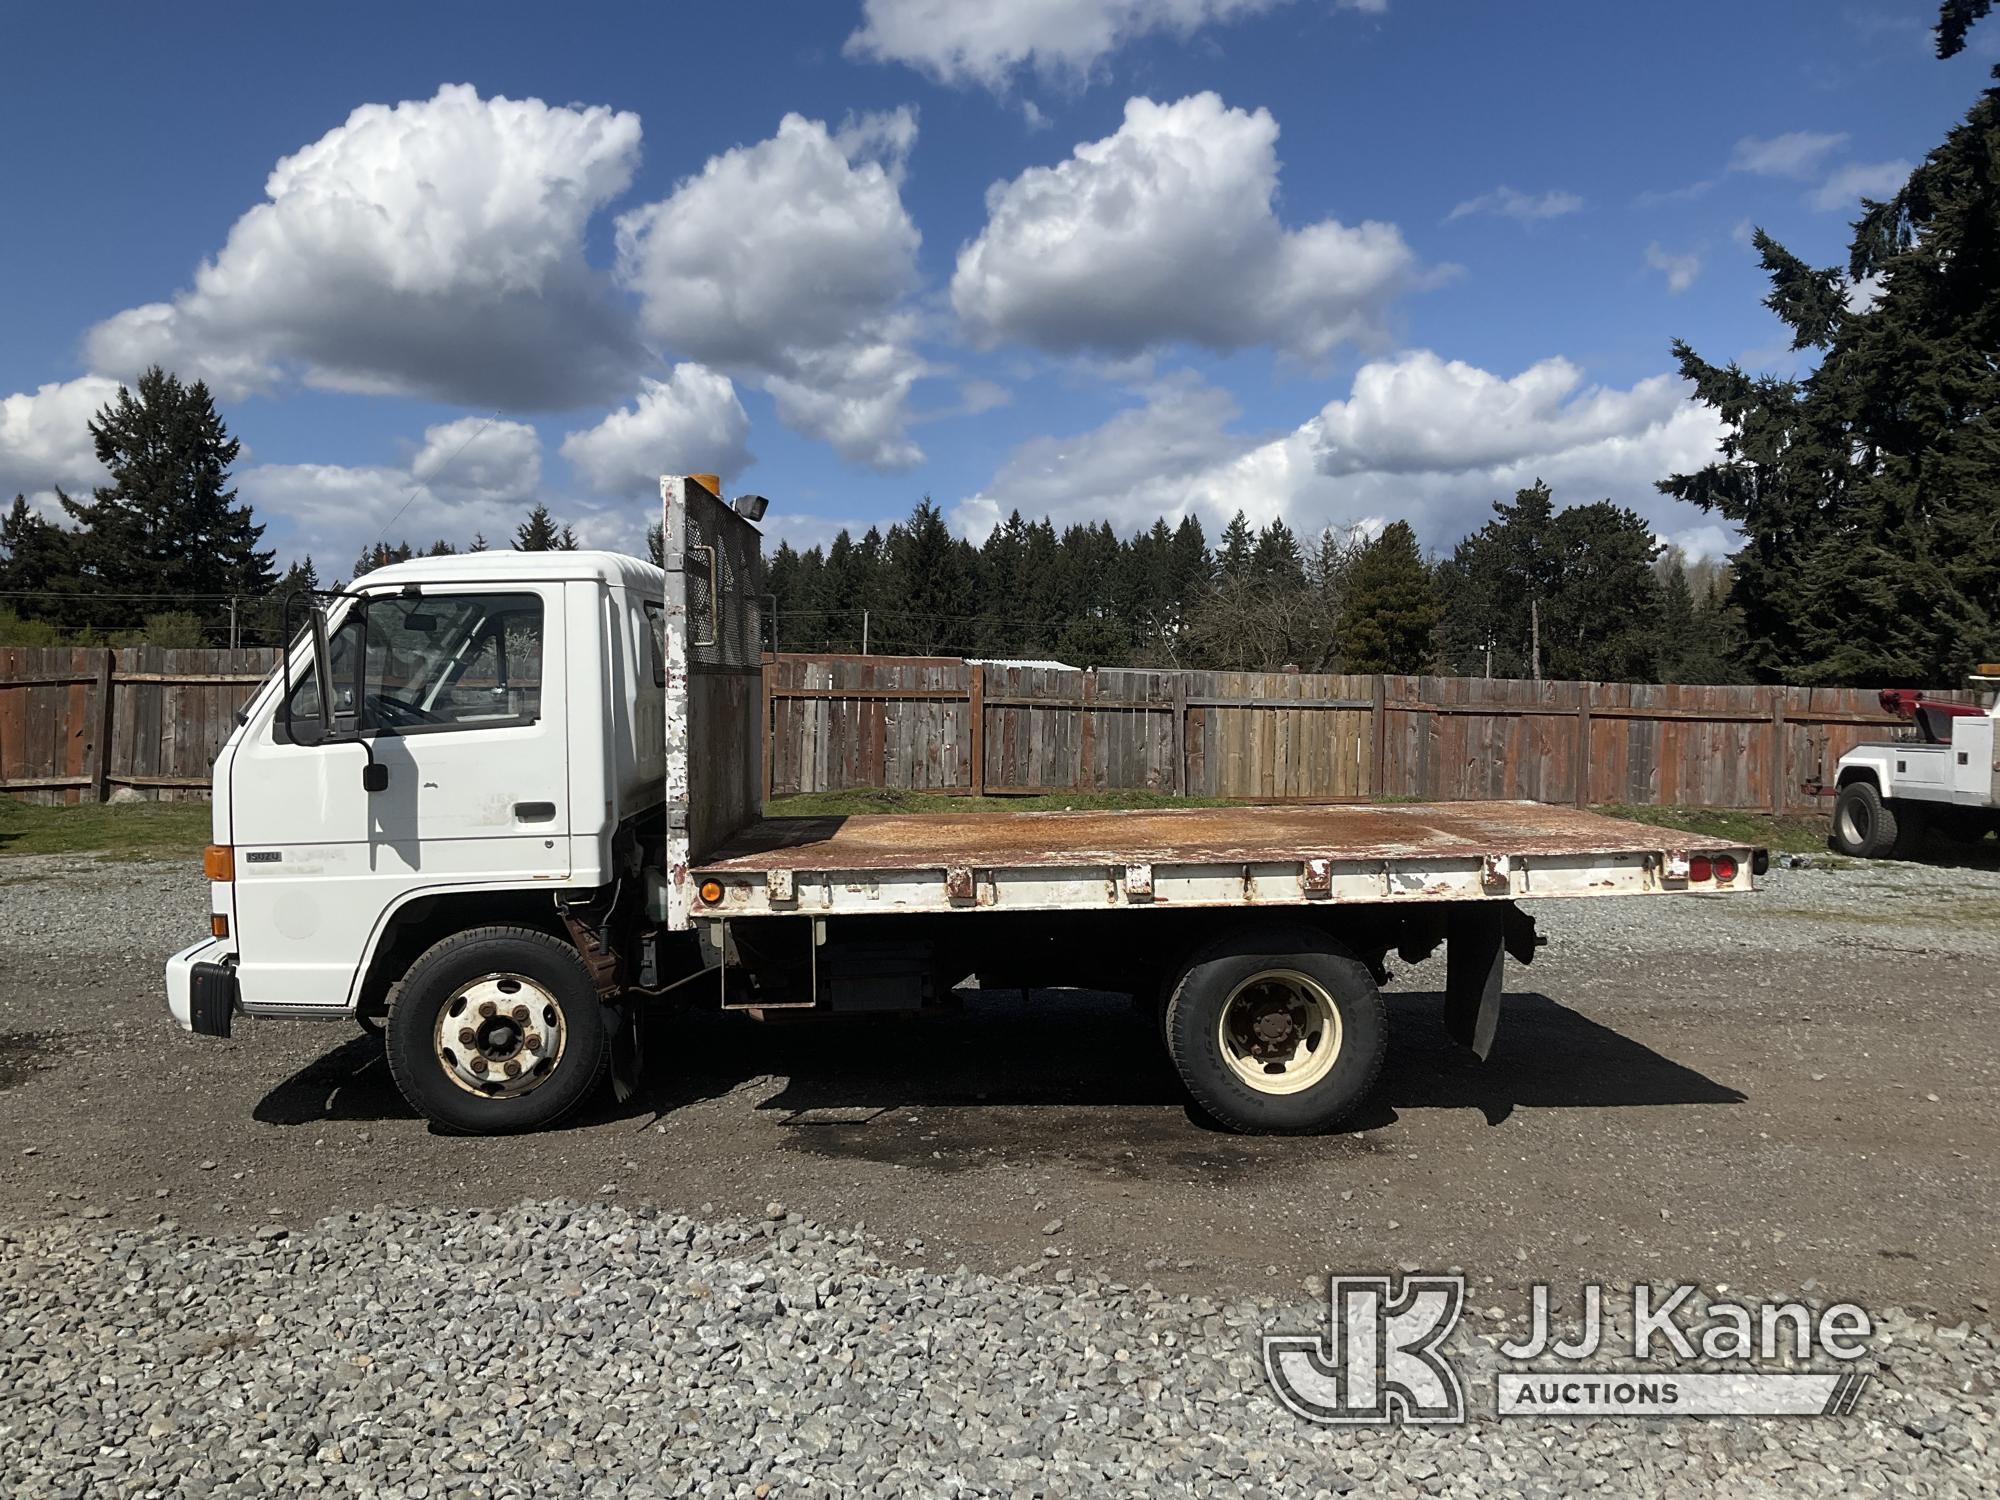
(1278,1033)
(497,1029)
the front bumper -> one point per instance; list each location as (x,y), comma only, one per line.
(202,994)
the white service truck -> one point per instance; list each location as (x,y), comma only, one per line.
(1940,775)
(503,805)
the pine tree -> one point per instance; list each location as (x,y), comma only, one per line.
(267,626)
(936,605)
(1389,623)
(1865,491)
(35,560)
(1238,544)
(480,544)
(168,524)
(539,533)
(1276,559)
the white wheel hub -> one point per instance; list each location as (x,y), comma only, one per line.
(1279,1032)
(499,1036)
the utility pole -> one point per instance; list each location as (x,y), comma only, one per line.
(864,632)
(1535,636)
(232,622)
(1489,657)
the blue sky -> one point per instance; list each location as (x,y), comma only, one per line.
(1340,262)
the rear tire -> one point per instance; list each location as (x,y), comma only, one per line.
(1864,826)
(1278,1032)
(497,1029)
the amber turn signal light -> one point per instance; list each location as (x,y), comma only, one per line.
(218,862)
(218,924)
(711,891)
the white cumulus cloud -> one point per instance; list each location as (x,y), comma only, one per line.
(467,476)
(430,248)
(689,423)
(987,41)
(1166,231)
(790,261)
(45,440)
(1418,437)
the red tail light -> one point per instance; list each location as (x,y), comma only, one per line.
(1700,868)
(1725,869)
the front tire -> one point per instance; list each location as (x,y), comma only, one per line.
(1277,1033)
(1866,826)
(497,1029)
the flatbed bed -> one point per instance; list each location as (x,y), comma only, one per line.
(1208,856)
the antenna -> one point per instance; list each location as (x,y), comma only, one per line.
(383,539)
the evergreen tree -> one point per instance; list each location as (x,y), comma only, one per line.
(168,523)
(1238,545)
(539,533)
(267,624)
(1391,616)
(1866,490)
(480,544)
(1579,581)
(935,608)
(35,559)
(1277,559)
(380,555)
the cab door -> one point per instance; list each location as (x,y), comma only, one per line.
(460,696)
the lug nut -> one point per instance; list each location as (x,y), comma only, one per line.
(479,1065)
(532,1041)
(467,1035)
(486,1008)
(513,1070)
(519,1013)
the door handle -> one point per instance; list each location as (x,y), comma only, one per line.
(534,812)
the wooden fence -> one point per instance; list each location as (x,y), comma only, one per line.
(942,725)
(76,724)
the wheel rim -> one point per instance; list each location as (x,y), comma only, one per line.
(1279,1032)
(1854,822)
(499,1036)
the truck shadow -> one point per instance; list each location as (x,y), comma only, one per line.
(839,1079)
(1074,1048)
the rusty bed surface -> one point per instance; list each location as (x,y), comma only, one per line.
(1193,835)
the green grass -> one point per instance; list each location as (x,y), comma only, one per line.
(136,830)
(1792,833)
(869,800)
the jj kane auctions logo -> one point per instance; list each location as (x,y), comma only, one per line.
(1380,1358)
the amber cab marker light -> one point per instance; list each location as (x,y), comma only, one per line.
(711,891)
(218,924)
(218,862)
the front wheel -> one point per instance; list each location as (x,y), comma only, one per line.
(1277,1033)
(497,1029)
(1865,826)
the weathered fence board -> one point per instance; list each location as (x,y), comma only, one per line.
(1277,736)
(78,723)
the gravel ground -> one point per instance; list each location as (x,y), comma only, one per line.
(559,1348)
(241,1268)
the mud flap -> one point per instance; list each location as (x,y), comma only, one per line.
(1475,954)
(628,1060)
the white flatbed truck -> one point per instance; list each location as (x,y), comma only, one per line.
(503,805)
